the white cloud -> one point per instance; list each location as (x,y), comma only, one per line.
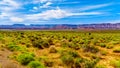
(46,5)
(45,1)
(11,3)
(94,7)
(16,19)
(8,5)
(2,15)
(7,8)
(57,14)
(75,2)
(49,14)
(35,8)
(85,13)
(41,1)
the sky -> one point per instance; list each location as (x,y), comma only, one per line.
(59,11)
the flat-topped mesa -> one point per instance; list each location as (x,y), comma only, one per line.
(62,26)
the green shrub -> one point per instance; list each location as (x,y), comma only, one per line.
(114,42)
(36,64)
(102,45)
(95,42)
(104,52)
(71,53)
(64,44)
(115,63)
(50,41)
(40,43)
(100,66)
(14,47)
(86,41)
(43,58)
(75,46)
(67,59)
(25,58)
(48,62)
(109,46)
(90,63)
(117,50)
(90,48)
(78,62)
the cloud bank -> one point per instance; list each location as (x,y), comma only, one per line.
(15,11)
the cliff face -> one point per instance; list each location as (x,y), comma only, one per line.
(62,26)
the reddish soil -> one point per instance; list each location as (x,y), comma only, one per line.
(5,62)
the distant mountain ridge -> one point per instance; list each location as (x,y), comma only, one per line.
(62,26)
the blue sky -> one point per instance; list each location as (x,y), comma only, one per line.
(59,11)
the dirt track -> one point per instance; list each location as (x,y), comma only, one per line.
(5,62)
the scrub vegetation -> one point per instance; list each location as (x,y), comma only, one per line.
(60,49)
